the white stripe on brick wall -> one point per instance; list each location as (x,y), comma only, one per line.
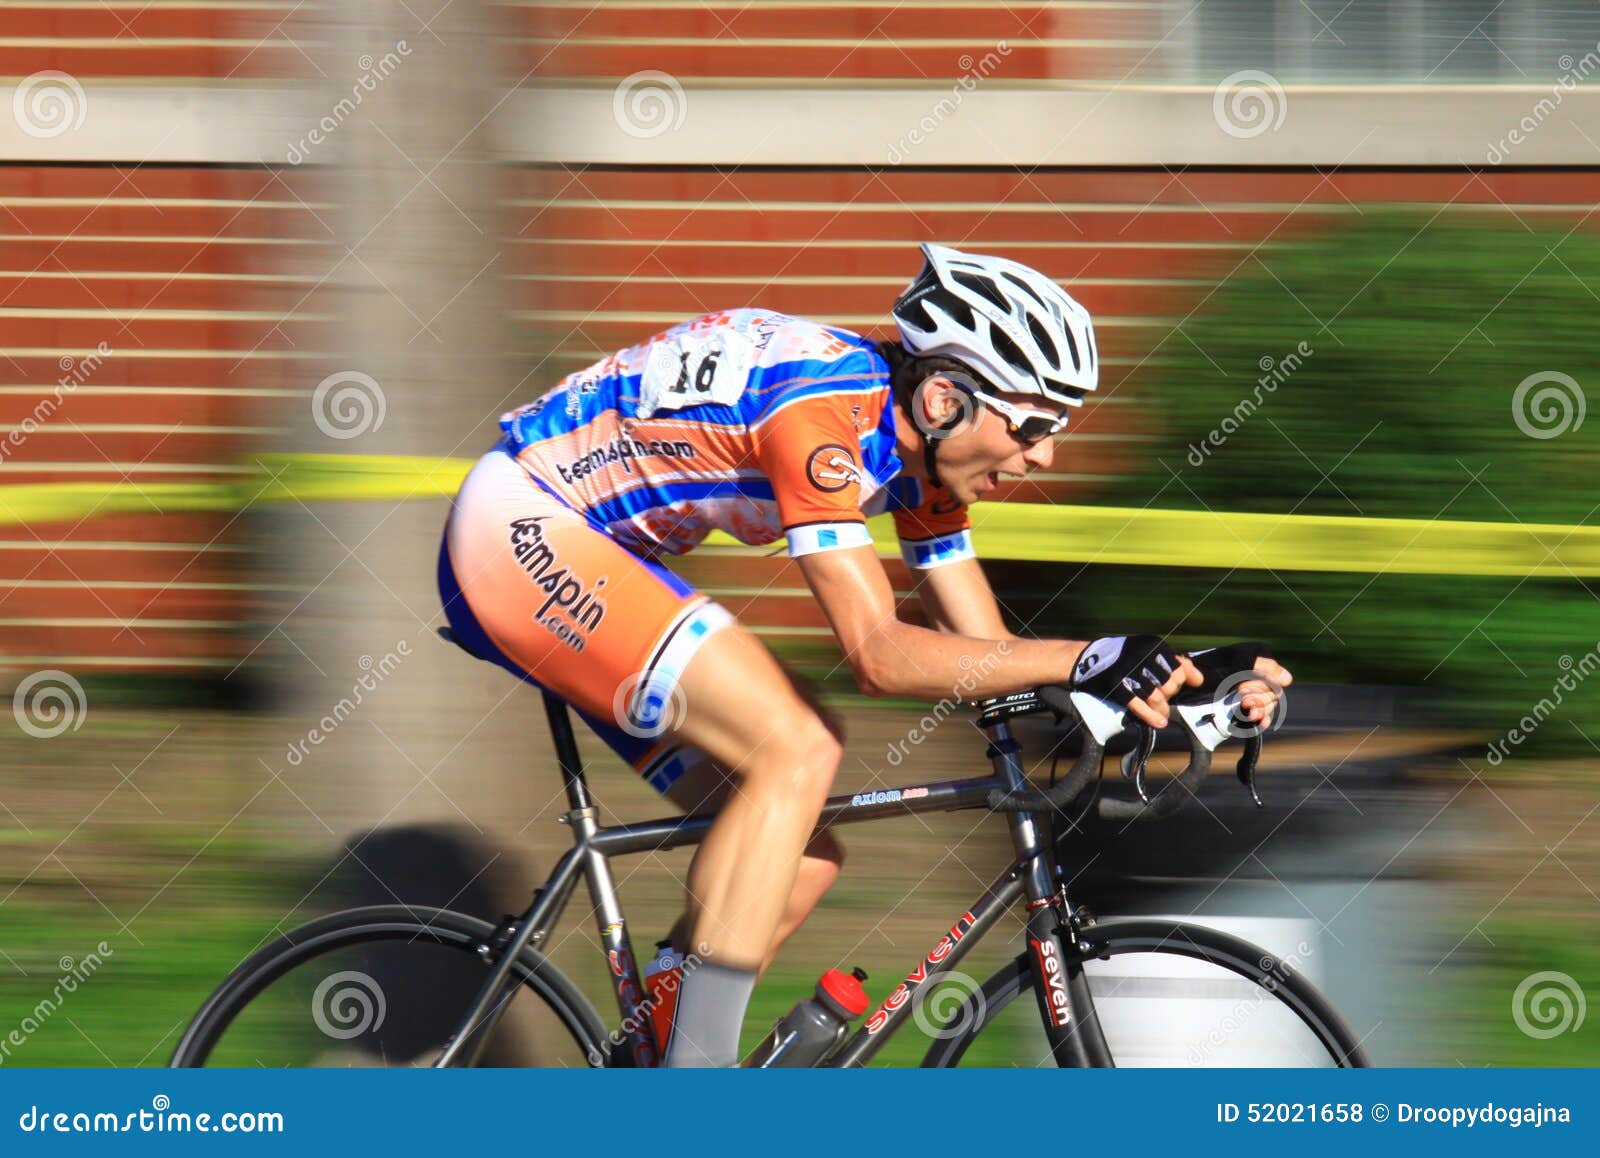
(1087,124)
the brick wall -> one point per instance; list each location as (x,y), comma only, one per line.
(199,278)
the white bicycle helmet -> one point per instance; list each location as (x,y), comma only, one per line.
(1011,324)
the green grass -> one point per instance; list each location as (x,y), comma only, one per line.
(132,1009)
(1515,950)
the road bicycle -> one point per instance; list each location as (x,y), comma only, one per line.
(515,989)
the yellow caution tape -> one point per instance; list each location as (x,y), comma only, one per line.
(1029,531)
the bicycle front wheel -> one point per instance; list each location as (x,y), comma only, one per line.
(387,986)
(1165,993)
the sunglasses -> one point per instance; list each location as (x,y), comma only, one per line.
(1028,426)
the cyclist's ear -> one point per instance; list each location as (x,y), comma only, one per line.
(937,400)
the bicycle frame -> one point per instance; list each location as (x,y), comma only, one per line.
(1065,1006)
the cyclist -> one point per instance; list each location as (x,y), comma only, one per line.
(770,427)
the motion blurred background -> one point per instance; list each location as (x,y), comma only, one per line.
(1344,265)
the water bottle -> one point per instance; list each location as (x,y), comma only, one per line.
(663,977)
(814,1028)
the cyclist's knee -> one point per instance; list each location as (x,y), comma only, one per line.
(808,693)
(800,761)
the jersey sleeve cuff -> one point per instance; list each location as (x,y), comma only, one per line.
(810,538)
(924,554)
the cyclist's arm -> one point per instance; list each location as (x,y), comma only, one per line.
(807,448)
(957,598)
(892,658)
(935,533)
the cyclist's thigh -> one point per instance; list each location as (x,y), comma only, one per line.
(741,709)
(698,784)
(530,584)
(659,671)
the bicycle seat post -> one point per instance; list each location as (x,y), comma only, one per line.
(567,752)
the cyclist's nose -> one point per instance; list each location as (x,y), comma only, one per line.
(1041,454)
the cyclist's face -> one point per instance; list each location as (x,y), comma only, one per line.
(982,447)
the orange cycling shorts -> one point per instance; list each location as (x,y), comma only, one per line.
(534,586)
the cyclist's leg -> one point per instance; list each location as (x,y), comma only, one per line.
(563,604)
(741,711)
(699,785)
(702,788)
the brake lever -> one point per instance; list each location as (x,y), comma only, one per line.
(1210,724)
(1102,719)
(1246,768)
(1136,760)
(1172,795)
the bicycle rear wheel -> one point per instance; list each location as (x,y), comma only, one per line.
(386,986)
(1227,1003)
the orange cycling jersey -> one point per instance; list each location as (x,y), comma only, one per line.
(755,423)
(747,421)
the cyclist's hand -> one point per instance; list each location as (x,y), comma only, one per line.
(1223,665)
(1139,672)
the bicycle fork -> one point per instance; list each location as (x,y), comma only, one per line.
(1060,985)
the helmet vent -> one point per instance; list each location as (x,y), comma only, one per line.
(952,305)
(1009,350)
(915,313)
(1024,287)
(983,287)
(1042,336)
(1072,348)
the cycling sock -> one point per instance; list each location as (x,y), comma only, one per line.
(711,1005)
